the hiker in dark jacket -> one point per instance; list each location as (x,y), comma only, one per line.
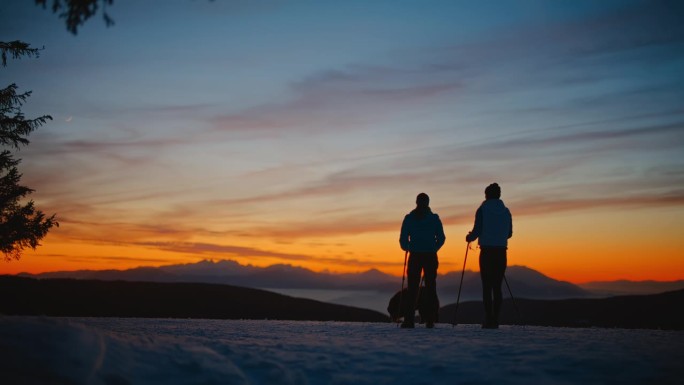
(493,226)
(422,235)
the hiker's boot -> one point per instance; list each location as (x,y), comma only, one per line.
(409,321)
(430,321)
(489,323)
(495,316)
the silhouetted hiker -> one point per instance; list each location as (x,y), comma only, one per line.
(493,226)
(422,235)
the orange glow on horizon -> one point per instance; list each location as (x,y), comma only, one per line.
(575,247)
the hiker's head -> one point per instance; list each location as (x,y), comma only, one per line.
(422,200)
(493,191)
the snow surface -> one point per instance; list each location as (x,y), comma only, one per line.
(115,351)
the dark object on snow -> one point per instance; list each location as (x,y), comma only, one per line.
(427,315)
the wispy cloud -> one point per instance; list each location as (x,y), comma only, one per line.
(217,250)
(337,99)
(535,206)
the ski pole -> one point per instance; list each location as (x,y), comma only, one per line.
(420,286)
(401,293)
(517,309)
(460,284)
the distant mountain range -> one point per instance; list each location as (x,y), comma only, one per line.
(371,289)
(233,273)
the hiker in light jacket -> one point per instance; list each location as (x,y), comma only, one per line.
(422,235)
(493,226)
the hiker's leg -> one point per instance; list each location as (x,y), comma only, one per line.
(431,301)
(414,268)
(499,269)
(487,283)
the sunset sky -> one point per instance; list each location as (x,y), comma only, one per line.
(300,132)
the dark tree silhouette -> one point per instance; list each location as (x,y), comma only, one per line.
(21,225)
(76,12)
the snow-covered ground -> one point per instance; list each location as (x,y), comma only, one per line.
(165,351)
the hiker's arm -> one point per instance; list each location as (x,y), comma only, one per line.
(477,227)
(440,238)
(404,236)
